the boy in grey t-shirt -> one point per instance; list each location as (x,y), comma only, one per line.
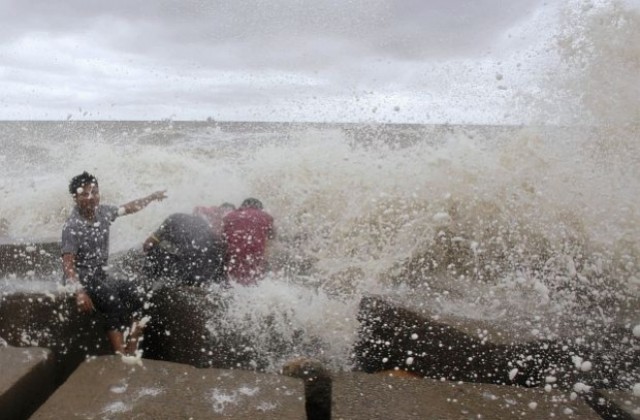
(85,252)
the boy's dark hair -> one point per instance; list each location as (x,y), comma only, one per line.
(227,205)
(80,180)
(252,202)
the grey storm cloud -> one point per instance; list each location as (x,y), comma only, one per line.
(149,58)
(282,34)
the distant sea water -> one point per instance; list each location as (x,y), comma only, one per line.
(500,223)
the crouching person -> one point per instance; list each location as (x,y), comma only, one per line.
(184,250)
(85,253)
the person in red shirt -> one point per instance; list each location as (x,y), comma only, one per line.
(247,231)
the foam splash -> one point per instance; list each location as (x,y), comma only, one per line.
(221,400)
(282,319)
(132,360)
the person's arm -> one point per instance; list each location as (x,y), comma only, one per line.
(163,233)
(137,205)
(82,298)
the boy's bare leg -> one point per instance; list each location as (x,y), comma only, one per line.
(117,341)
(134,338)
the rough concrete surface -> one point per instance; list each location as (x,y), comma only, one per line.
(108,388)
(380,396)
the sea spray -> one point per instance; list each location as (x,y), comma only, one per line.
(492,222)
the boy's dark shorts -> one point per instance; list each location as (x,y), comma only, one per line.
(117,299)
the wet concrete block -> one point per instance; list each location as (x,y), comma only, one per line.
(108,388)
(29,258)
(185,327)
(177,329)
(182,328)
(51,320)
(380,396)
(392,336)
(26,380)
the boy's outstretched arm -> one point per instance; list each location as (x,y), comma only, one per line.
(139,204)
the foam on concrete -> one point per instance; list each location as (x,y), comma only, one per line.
(107,387)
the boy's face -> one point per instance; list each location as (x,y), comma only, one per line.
(88,197)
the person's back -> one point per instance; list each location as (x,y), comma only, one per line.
(247,231)
(183,247)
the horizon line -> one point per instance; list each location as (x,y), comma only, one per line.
(214,121)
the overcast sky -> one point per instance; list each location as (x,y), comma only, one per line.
(286,60)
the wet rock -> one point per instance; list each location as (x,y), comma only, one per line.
(394,337)
(26,381)
(463,349)
(108,388)
(185,328)
(27,258)
(381,396)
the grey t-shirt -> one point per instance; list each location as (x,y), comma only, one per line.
(88,240)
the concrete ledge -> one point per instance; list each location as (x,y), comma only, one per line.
(380,396)
(27,379)
(108,388)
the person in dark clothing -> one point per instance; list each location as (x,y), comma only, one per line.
(185,249)
(85,253)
